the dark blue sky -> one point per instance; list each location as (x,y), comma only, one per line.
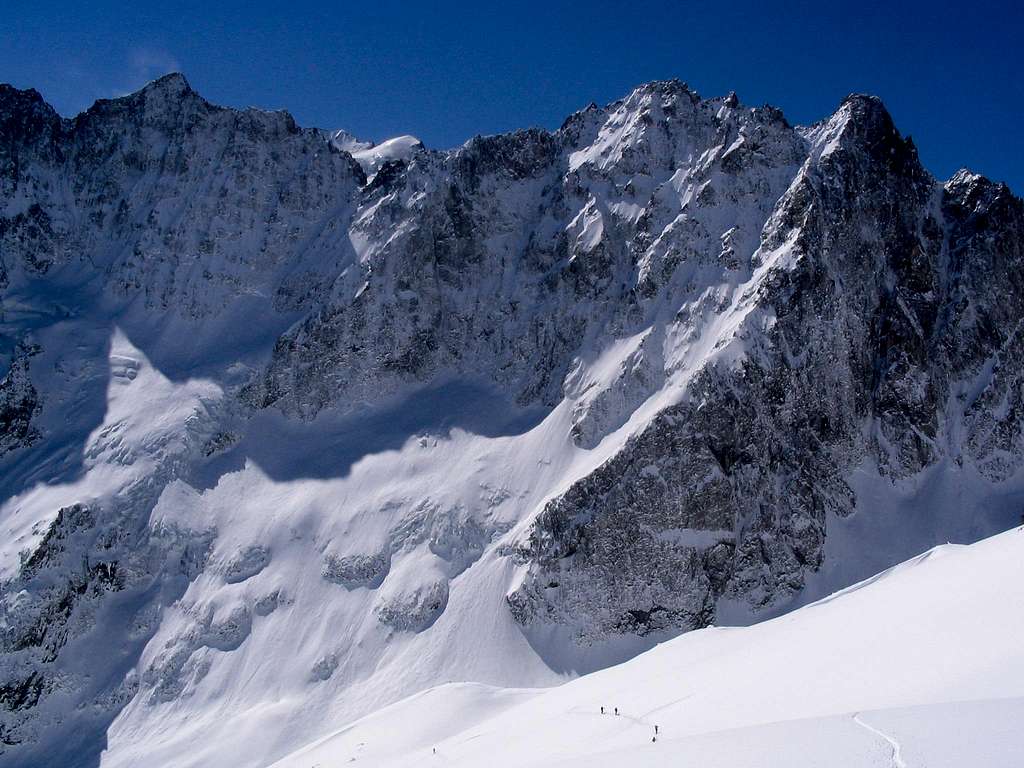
(951,73)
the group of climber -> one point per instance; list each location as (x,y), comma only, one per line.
(616,710)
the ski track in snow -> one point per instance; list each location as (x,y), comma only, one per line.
(897,758)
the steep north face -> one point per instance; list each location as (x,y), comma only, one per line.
(501,413)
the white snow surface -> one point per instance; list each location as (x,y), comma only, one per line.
(151,423)
(371,158)
(919,665)
(346,142)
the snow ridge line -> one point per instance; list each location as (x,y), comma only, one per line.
(897,757)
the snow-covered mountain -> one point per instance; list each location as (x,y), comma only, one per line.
(293,426)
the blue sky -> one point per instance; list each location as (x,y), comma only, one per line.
(950,73)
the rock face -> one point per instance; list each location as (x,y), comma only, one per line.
(733,336)
(872,344)
(183,204)
(19,404)
(500,258)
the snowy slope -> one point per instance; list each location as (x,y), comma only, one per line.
(372,159)
(920,665)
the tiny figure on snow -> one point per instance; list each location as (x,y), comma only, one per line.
(654,739)
(616,710)
(655,730)
(602,710)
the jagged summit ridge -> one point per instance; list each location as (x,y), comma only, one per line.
(171,85)
(175,85)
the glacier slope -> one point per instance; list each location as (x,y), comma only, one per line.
(919,665)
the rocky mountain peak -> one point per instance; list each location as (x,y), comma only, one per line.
(17,100)
(168,93)
(974,188)
(661,99)
(864,121)
(170,85)
(167,104)
(672,88)
(23,116)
